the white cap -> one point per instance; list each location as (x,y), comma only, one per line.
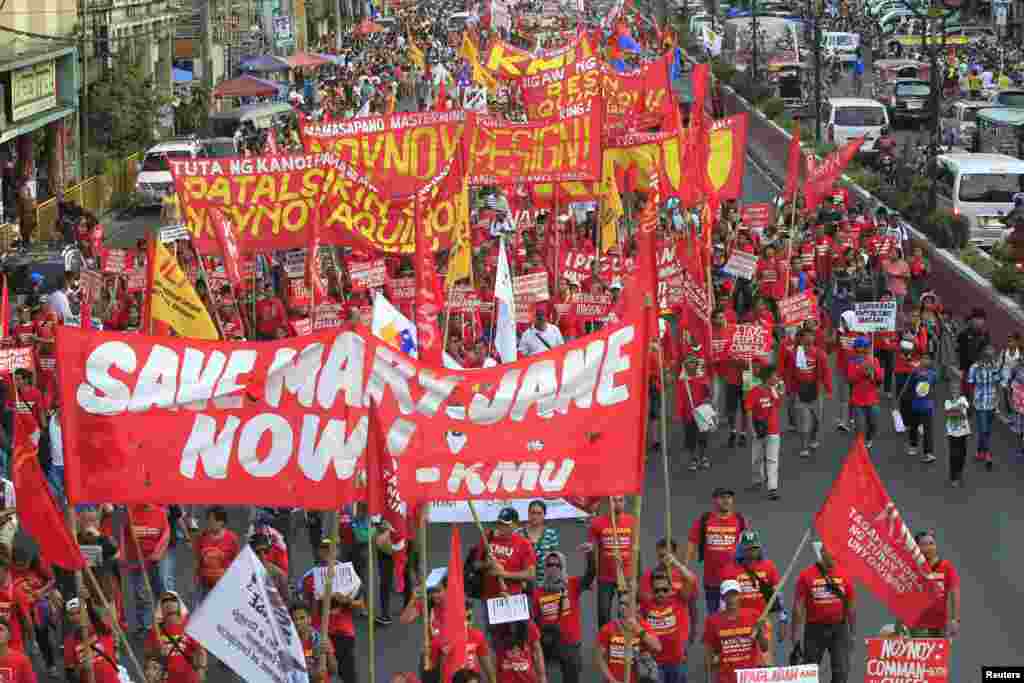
(73,603)
(729,586)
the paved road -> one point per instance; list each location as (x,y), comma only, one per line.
(978,530)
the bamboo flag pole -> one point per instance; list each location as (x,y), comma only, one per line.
(619,570)
(371,593)
(115,622)
(487,544)
(789,249)
(664,439)
(785,577)
(634,570)
(331,530)
(72,523)
(426,601)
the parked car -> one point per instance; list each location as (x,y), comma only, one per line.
(1008,98)
(154,180)
(907,100)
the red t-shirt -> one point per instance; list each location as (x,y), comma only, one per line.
(16,667)
(944,578)
(751,596)
(151,525)
(340,619)
(823,605)
(671,624)
(25,333)
(719,546)
(763,404)
(613,641)
(514,553)
(515,664)
(215,555)
(602,534)
(865,375)
(545,609)
(731,637)
(75,657)
(476,649)
(177,651)
(270,316)
(14,602)
(681,587)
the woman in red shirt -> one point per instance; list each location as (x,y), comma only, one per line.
(942,619)
(15,666)
(693,389)
(610,653)
(732,638)
(556,606)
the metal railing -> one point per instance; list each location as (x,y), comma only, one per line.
(95,194)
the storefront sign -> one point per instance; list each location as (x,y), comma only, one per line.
(33,90)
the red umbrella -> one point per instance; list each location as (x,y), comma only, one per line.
(246,86)
(367,26)
(304,59)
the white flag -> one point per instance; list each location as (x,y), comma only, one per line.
(246,624)
(505,299)
(393,328)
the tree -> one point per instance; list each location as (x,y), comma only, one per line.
(126,104)
(193,115)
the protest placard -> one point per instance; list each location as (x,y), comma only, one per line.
(756,216)
(136,281)
(741,265)
(796,309)
(401,290)
(174,233)
(463,299)
(505,610)
(802,673)
(592,306)
(749,342)
(531,288)
(328,316)
(16,358)
(367,275)
(295,262)
(118,261)
(875,316)
(910,660)
(344,582)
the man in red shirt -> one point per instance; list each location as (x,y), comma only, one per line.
(15,666)
(713,538)
(556,605)
(808,374)
(29,398)
(89,645)
(865,376)
(215,550)
(758,578)
(340,627)
(151,528)
(825,602)
(613,545)
(478,653)
(728,386)
(610,653)
(321,663)
(764,403)
(184,659)
(669,618)
(512,561)
(733,638)
(942,620)
(15,607)
(683,580)
(271,315)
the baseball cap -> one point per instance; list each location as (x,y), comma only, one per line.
(722,491)
(72,604)
(861,343)
(325,542)
(258,541)
(729,586)
(508,516)
(750,539)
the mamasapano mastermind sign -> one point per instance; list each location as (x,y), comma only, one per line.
(162,419)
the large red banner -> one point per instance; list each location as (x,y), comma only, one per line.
(914,660)
(271,201)
(863,530)
(173,420)
(401,152)
(562,149)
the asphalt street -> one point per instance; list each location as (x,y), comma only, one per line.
(978,529)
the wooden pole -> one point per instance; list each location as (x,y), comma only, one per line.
(634,570)
(664,440)
(330,532)
(72,523)
(115,622)
(483,536)
(426,601)
(789,249)
(619,570)
(371,593)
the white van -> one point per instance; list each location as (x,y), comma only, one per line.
(847,118)
(981,188)
(843,44)
(154,180)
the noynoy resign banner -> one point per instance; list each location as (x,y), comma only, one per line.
(562,149)
(273,202)
(175,420)
(401,152)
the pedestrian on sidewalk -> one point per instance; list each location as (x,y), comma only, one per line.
(865,375)
(764,402)
(922,407)
(958,428)
(983,379)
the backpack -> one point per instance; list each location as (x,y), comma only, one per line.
(704,532)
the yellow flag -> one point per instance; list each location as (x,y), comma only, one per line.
(416,55)
(611,209)
(174,301)
(460,260)
(479,74)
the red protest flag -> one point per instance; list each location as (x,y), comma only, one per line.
(793,164)
(864,533)
(314,280)
(37,510)
(820,180)
(428,294)
(382,497)
(225,233)
(454,631)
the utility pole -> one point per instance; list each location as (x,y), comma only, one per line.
(816,18)
(757,36)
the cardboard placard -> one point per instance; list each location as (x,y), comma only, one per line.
(401,290)
(531,288)
(796,309)
(328,316)
(174,233)
(367,275)
(741,265)
(875,316)
(295,263)
(345,580)
(756,216)
(303,326)
(507,610)
(749,342)
(920,660)
(465,300)
(17,358)
(119,261)
(592,306)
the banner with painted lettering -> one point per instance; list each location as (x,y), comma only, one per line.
(577,266)
(463,299)
(727,156)
(908,660)
(803,673)
(271,201)
(246,623)
(798,308)
(562,149)
(749,342)
(875,316)
(591,306)
(742,265)
(120,261)
(175,420)
(865,534)
(509,62)
(366,275)
(401,152)
(670,275)
(458,512)
(757,216)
